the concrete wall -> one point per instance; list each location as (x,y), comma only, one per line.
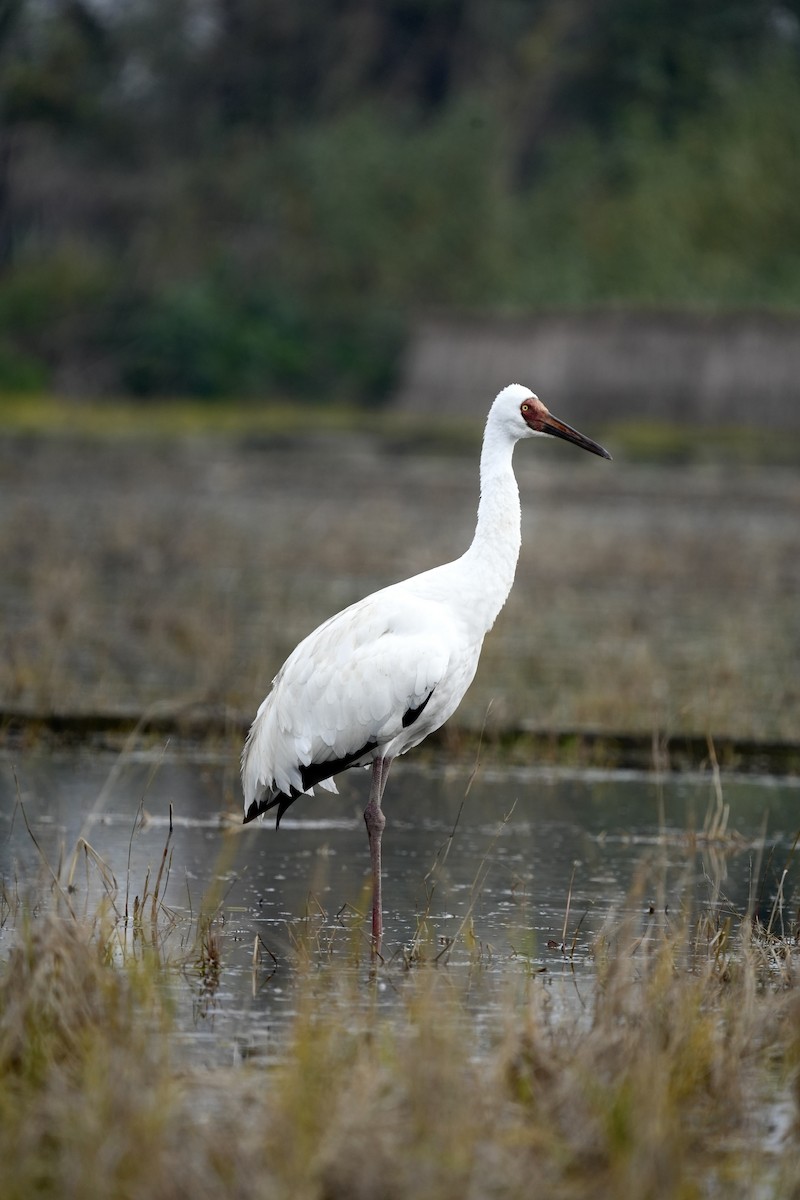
(732,369)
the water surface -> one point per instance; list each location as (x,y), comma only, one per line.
(510,872)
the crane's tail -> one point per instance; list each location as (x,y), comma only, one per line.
(314,774)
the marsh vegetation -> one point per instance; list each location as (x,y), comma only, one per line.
(158,1037)
(148,569)
(590,978)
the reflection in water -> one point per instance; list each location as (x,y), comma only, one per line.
(514,875)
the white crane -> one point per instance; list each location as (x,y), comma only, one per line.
(377,678)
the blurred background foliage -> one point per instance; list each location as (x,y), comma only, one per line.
(227,197)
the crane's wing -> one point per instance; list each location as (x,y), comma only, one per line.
(351,687)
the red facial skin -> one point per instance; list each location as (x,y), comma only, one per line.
(540,419)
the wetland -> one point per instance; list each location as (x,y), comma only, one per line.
(589,975)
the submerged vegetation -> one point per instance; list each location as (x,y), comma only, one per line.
(654,1052)
(677,1075)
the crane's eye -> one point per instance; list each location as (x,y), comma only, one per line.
(524,407)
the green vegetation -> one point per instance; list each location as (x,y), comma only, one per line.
(216,198)
(636,441)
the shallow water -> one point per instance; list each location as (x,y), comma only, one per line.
(516,871)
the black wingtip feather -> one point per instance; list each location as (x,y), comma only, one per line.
(411,714)
(255,810)
(310,775)
(281,801)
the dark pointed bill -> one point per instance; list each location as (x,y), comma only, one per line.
(560,429)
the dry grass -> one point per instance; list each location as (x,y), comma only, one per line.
(658,599)
(163,570)
(678,1078)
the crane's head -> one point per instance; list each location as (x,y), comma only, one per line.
(523,415)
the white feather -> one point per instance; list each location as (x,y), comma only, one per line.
(349,685)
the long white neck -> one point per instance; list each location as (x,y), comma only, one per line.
(491,561)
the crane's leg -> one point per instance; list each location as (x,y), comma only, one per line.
(375,822)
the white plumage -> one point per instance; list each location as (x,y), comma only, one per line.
(377,678)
